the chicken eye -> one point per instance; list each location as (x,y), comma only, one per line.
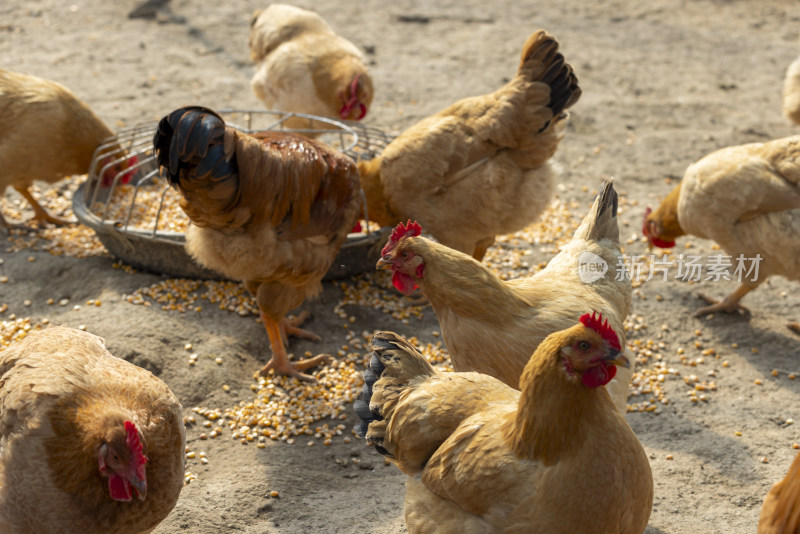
(584,345)
(405,254)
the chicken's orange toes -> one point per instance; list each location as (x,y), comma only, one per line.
(283,366)
(729,304)
(290,326)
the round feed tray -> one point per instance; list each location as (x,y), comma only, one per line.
(137,218)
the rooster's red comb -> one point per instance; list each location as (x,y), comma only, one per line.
(410,229)
(595,321)
(135,444)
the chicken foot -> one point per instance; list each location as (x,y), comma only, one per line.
(291,327)
(280,359)
(39,213)
(794,326)
(729,304)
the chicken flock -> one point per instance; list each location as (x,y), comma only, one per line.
(535,408)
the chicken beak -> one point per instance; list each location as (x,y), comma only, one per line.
(140,485)
(617,358)
(383,264)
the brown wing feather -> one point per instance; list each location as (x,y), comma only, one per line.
(315,184)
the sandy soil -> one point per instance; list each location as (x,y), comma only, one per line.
(664,83)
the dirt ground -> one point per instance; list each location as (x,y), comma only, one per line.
(663,83)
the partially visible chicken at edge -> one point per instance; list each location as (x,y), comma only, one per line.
(747,199)
(88,442)
(48,134)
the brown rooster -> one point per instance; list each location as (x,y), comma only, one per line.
(483,458)
(66,131)
(747,199)
(88,442)
(492,326)
(271,209)
(304,66)
(486,156)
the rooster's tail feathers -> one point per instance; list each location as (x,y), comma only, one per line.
(393,364)
(541,58)
(601,221)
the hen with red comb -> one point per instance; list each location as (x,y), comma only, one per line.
(303,65)
(48,134)
(88,442)
(747,199)
(484,457)
(492,325)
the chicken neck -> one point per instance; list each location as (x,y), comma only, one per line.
(667,216)
(466,287)
(553,412)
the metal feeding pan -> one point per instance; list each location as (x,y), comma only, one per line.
(136,215)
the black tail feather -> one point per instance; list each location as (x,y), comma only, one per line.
(361,406)
(405,363)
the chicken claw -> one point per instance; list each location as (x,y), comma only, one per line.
(290,326)
(729,304)
(40,214)
(284,367)
(794,326)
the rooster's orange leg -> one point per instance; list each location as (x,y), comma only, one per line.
(39,213)
(728,304)
(280,359)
